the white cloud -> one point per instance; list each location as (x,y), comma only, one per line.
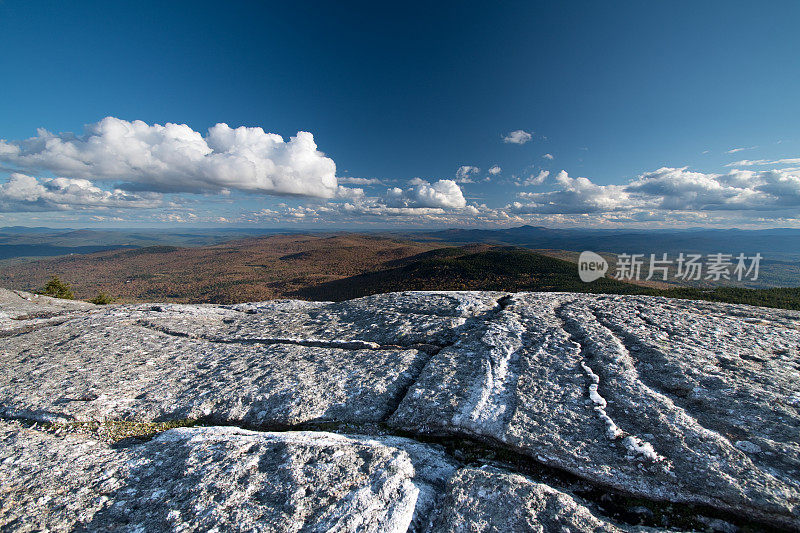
(532,180)
(442,194)
(681,189)
(517,137)
(764,162)
(548,157)
(465,173)
(177,218)
(371,213)
(734,150)
(376,211)
(576,195)
(175,158)
(349,192)
(666,190)
(360,181)
(495,170)
(420,203)
(23,193)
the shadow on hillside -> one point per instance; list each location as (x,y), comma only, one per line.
(458,269)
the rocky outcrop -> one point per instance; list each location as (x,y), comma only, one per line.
(428,411)
(219,477)
(653,397)
(21,312)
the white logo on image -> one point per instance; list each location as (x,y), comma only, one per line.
(591,266)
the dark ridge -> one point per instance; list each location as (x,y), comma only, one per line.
(512,269)
(507,269)
(8,251)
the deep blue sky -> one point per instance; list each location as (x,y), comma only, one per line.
(612,90)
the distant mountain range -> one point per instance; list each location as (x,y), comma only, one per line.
(20,241)
(781,244)
(333,267)
(225,265)
(252,269)
(774,244)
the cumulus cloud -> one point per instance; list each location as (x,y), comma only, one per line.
(177,218)
(549,157)
(375,211)
(680,188)
(421,202)
(667,197)
(465,173)
(517,137)
(349,192)
(23,193)
(669,190)
(576,195)
(495,170)
(442,194)
(532,180)
(175,158)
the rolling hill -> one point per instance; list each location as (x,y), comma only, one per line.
(517,269)
(251,269)
(480,267)
(335,267)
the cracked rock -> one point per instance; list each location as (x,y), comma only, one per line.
(649,417)
(21,312)
(671,401)
(221,478)
(488,499)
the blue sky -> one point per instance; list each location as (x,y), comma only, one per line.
(626,114)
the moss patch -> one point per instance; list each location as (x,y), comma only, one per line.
(114,431)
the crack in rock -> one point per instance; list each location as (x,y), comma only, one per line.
(354,344)
(521,378)
(36,325)
(635,445)
(442,461)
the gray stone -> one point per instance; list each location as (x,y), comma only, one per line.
(218,479)
(668,400)
(226,478)
(21,311)
(276,363)
(620,391)
(487,499)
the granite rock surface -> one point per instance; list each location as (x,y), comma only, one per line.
(688,406)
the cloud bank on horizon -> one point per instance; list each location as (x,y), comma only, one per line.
(132,170)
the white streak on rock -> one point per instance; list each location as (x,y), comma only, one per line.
(600,403)
(637,446)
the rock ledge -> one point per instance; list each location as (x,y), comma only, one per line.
(450,411)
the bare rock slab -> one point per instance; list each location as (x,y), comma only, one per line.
(668,400)
(213,478)
(21,311)
(270,364)
(658,398)
(491,500)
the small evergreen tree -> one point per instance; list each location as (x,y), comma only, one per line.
(102,298)
(57,289)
